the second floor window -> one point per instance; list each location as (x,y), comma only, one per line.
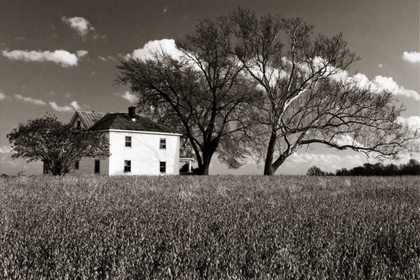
(128,141)
(162,143)
(76,166)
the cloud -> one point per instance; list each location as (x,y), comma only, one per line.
(388,84)
(412,57)
(30,100)
(81,53)
(80,24)
(5,153)
(378,84)
(165,9)
(68,95)
(106,58)
(2,96)
(62,57)
(74,106)
(5,149)
(380,65)
(343,140)
(167,45)
(327,162)
(52,93)
(132,98)
(413,121)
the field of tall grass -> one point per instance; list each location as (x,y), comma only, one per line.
(212,227)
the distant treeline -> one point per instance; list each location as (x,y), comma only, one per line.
(377,169)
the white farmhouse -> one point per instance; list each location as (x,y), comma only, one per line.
(138,146)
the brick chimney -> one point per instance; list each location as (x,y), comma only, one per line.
(132,112)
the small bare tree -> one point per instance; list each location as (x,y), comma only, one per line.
(306,95)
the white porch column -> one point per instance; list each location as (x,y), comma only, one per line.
(189,167)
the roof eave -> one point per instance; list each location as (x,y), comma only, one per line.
(140,131)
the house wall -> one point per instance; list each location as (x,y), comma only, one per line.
(145,153)
(87,165)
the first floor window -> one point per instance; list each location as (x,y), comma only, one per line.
(162,167)
(76,166)
(128,141)
(45,168)
(127,165)
(97,166)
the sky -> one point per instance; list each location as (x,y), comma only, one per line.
(60,56)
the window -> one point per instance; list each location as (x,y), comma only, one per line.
(45,167)
(97,166)
(162,167)
(128,141)
(76,166)
(78,124)
(162,143)
(127,165)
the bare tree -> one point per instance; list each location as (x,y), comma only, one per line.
(201,93)
(306,95)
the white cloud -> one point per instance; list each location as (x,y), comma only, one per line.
(62,57)
(166,45)
(68,95)
(378,84)
(80,24)
(52,93)
(74,106)
(412,57)
(5,153)
(30,100)
(388,84)
(380,65)
(81,53)
(132,98)
(165,9)
(347,140)
(106,58)
(412,121)
(2,95)
(5,149)
(327,162)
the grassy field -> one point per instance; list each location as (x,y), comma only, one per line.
(214,227)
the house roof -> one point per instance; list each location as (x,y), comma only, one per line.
(89,118)
(122,121)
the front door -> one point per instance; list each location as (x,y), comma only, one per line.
(97,166)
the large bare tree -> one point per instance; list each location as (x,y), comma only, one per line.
(306,95)
(201,92)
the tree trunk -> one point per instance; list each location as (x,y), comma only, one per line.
(278,163)
(268,165)
(207,155)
